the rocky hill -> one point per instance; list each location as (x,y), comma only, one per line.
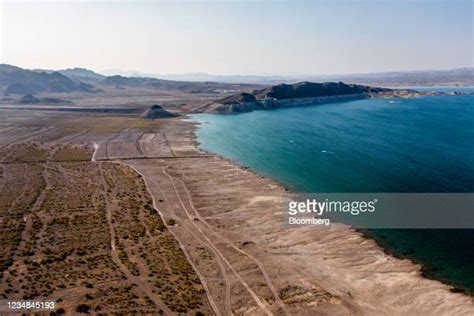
(19,81)
(238,98)
(15,80)
(183,86)
(311,90)
(157,112)
(449,77)
(82,74)
(302,93)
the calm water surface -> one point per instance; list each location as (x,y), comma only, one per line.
(379,145)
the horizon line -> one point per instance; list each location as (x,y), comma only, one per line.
(103,71)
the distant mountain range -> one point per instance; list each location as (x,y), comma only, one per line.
(81,74)
(451,77)
(15,80)
(19,81)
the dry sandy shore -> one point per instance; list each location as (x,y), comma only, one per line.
(230,222)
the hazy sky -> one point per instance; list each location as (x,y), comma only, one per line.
(239,37)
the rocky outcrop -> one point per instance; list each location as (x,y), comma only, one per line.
(286,95)
(157,112)
(29,99)
(239,98)
(313,90)
(266,104)
(304,93)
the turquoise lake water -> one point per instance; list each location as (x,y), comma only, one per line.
(376,145)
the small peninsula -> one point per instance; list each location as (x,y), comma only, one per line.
(303,93)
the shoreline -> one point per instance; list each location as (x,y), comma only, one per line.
(242,103)
(424,269)
(229,219)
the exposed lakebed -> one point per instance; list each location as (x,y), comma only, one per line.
(375,145)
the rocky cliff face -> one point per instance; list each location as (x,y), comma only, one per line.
(269,103)
(313,90)
(305,93)
(239,98)
(299,94)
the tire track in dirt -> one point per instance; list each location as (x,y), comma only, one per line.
(222,269)
(243,252)
(138,146)
(211,300)
(27,218)
(167,142)
(25,138)
(143,286)
(68,139)
(212,245)
(110,140)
